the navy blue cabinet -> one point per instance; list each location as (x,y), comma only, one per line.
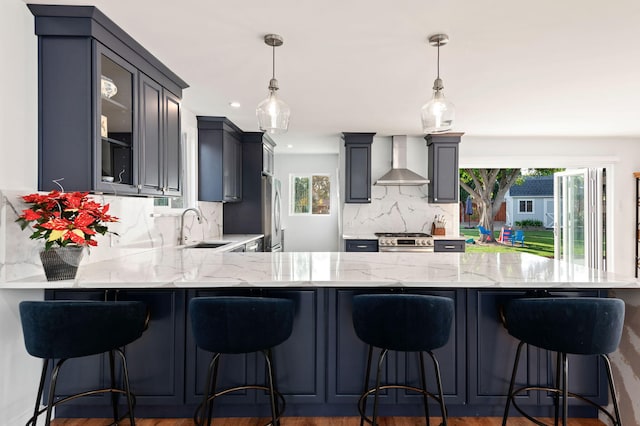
(361,245)
(219,160)
(81,374)
(106,102)
(155,361)
(257,161)
(348,356)
(357,167)
(443,167)
(491,356)
(299,362)
(320,368)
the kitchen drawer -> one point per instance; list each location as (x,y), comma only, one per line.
(448,245)
(362,245)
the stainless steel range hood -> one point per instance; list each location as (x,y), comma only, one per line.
(399,174)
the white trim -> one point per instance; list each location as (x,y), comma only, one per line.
(292,177)
(533,204)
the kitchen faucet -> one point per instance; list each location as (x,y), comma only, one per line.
(198,216)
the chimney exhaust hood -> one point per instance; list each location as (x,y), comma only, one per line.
(399,174)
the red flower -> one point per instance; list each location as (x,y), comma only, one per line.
(65,218)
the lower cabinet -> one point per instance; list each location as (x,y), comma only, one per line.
(154,361)
(348,356)
(299,362)
(492,352)
(320,368)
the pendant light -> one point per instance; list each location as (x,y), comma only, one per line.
(273,114)
(438,113)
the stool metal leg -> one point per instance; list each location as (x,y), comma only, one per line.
(443,409)
(33,420)
(114,396)
(512,383)
(565,385)
(423,380)
(205,407)
(612,389)
(272,395)
(275,375)
(383,354)
(367,376)
(212,392)
(556,395)
(52,391)
(125,378)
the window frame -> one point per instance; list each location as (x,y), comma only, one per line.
(292,194)
(526,200)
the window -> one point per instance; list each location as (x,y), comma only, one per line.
(525,206)
(310,194)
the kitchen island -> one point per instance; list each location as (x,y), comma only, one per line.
(320,368)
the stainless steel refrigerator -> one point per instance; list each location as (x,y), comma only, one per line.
(271,208)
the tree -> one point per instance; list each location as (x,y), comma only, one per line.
(488,187)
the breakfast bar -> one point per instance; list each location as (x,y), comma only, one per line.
(320,367)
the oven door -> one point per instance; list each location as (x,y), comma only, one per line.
(406,249)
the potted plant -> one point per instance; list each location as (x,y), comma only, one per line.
(67,222)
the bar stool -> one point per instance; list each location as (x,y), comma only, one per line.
(72,329)
(402,322)
(566,325)
(235,325)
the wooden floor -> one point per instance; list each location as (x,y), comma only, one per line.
(325,421)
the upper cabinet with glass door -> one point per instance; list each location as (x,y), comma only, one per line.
(101,128)
(117,120)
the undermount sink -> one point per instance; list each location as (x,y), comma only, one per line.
(205,244)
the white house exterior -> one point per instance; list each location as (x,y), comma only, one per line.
(532,200)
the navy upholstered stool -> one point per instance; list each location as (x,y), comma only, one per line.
(402,322)
(566,325)
(234,325)
(71,329)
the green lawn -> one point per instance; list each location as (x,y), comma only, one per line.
(535,242)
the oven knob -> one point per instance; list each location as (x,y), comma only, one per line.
(429,242)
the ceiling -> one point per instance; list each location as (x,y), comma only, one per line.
(512,68)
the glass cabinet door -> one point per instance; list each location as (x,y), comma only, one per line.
(117,121)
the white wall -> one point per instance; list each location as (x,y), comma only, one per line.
(18,145)
(309,232)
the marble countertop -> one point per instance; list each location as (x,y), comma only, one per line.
(178,267)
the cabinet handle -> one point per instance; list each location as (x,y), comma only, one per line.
(362,247)
(450,247)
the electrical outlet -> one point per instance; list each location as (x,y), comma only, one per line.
(114,240)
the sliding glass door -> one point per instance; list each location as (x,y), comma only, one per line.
(578,217)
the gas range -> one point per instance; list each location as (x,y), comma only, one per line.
(404,241)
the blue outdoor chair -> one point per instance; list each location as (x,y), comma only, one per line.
(518,237)
(485,231)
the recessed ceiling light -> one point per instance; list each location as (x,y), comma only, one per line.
(289,146)
(234,104)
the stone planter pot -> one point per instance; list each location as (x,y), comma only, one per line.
(61,263)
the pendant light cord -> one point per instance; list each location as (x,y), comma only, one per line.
(438,65)
(273,50)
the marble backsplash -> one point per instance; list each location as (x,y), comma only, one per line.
(397,209)
(142,226)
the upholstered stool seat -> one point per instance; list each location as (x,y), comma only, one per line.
(234,325)
(566,325)
(402,322)
(71,329)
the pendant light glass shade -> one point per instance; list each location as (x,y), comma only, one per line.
(438,114)
(273,114)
